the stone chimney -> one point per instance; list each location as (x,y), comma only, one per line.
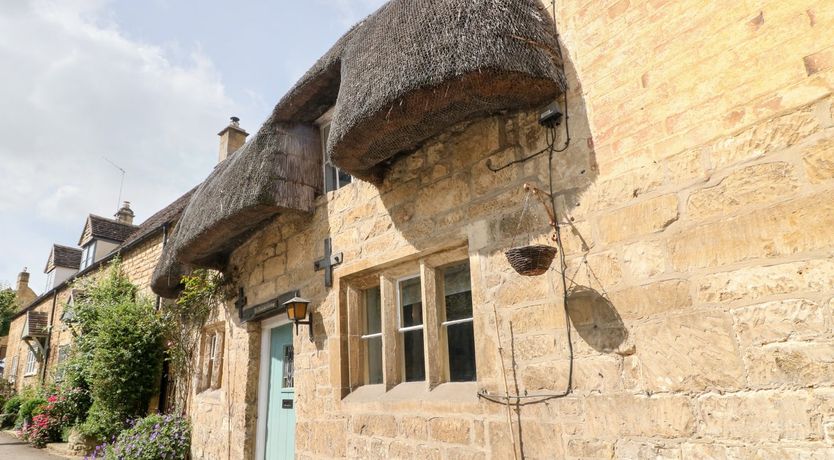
(125,215)
(25,294)
(231,138)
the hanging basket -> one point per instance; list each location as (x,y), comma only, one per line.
(531,260)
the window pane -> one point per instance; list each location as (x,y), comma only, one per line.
(373,346)
(415,365)
(330,178)
(458,292)
(289,367)
(461,352)
(373,320)
(411,304)
(344,178)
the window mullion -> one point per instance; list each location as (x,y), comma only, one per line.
(356,348)
(391,364)
(431,325)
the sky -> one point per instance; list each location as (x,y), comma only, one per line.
(91,86)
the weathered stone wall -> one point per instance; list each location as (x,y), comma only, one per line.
(698,189)
(138,264)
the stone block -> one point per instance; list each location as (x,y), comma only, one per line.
(775,416)
(620,415)
(692,352)
(374,425)
(599,269)
(819,161)
(650,216)
(590,448)
(415,428)
(451,430)
(651,299)
(788,228)
(791,363)
(541,440)
(538,318)
(753,185)
(780,321)
(443,195)
(757,282)
(647,450)
(764,138)
(531,347)
(644,259)
(626,187)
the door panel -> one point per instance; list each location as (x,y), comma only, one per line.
(280,422)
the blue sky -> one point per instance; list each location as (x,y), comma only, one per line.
(144,84)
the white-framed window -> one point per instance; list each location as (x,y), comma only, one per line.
(334,178)
(412,322)
(212,358)
(410,315)
(12,370)
(372,335)
(31,364)
(88,254)
(457,322)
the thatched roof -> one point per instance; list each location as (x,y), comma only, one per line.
(278,170)
(396,79)
(415,67)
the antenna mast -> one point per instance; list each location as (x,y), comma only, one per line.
(121,184)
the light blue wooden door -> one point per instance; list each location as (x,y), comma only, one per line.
(280,422)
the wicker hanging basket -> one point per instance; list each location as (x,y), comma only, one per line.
(531,260)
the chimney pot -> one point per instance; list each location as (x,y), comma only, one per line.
(231,138)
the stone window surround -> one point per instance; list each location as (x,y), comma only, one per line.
(12,370)
(394,387)
(210,375)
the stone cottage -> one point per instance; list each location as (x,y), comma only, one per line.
(39,339)
(687,313)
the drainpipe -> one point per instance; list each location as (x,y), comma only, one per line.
(47,345)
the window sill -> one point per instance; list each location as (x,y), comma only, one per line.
(450,392)
(30,374)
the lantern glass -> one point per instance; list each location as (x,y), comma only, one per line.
(297,309)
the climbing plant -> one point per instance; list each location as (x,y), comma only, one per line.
(185,319)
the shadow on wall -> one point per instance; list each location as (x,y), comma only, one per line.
(433,193)
(596,320)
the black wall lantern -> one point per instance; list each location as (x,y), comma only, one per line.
(297,309)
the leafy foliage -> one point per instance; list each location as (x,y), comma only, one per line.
(185,319)
(118,352)
(8,306)
(151,438)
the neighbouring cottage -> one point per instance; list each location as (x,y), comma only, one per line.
(39,338)
(692,177)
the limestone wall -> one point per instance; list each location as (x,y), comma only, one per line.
(699,186)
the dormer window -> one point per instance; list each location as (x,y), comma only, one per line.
(88,254)
(334,178)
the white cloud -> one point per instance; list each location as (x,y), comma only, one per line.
(75,90)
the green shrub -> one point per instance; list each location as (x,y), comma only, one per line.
(151,438)
(12,406)
(29,408)
(118,354)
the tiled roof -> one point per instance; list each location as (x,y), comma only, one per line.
(165,215)
(109,229)
(63,256)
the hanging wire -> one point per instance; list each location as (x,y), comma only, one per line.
(550,137)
